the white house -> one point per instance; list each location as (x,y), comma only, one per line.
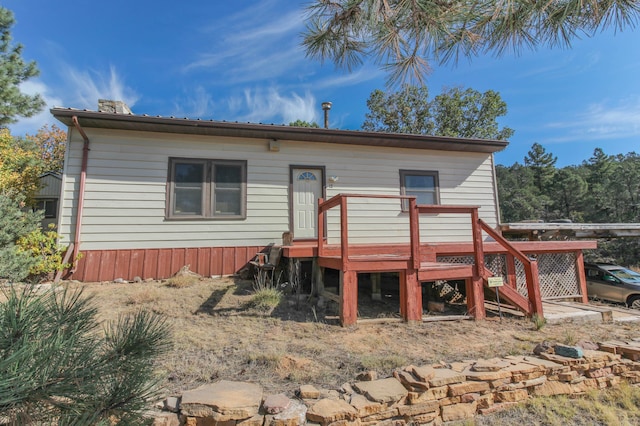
(160,192)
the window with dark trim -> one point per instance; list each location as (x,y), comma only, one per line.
(49,206)
(421,184)
(202,189)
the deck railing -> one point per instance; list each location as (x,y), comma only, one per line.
(341,200)
(414,211)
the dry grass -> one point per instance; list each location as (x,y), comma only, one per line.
(613,407)
(217,335)
(181,281)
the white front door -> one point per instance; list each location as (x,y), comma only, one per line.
(307,188)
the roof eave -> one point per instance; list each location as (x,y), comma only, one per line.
(93,119)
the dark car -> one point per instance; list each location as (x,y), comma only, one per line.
(614,283)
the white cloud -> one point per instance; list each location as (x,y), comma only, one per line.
(200,104)
(32,124)
(89,86)
(601,121)
(270,106)
(253,45)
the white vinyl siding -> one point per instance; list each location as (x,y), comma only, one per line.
(125,199)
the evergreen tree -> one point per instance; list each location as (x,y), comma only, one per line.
(15,222)
(542,164)
(403,36)
(600,206)
(56,367)
(14,71)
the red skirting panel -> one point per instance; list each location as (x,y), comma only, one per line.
(107,265)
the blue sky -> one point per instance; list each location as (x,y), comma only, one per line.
(242,61)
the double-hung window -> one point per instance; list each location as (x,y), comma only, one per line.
(200,188)
(421,184)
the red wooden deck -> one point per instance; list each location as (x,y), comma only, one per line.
(417,262)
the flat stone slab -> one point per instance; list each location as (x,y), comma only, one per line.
(383,391)
(486,365)
(223,401)
(328,411)
(445,376)
(424,373)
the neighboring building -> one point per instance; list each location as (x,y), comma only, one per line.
(48,196)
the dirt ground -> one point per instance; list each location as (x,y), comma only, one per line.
(216,335)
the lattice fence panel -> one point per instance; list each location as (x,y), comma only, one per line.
(558,276)
(456,259)
(557,272)
(521,279)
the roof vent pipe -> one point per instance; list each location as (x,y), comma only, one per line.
(326,106)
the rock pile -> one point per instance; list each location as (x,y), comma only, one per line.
(420,395)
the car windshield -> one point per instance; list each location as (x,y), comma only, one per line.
(626,275)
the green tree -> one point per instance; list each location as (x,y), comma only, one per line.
(600,205)
(470,114)
(51,143)
(456,112)
(57,367)
(406,111)
(518,196)
(542,164)
(403,36)
(13,71)
(302,123)
(20,166)
(15,222)
(567,191)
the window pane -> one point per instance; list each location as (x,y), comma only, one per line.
(227,202)
(188,201)
(50,208)
(423,197)
(228,190)
(227,176)
(189,174)
(188,187)
(419,181)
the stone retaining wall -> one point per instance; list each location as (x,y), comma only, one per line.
(414,395)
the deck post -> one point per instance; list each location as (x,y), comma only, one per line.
(581,276)
(317,273)
(376,291)
(344,233)
(533,288)
(477,282)
(414,231)
(320,228)
(410,296)
(348,298)
(475,303)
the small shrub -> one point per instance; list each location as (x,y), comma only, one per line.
(44,248)
(15,223)
(538,321)
(266,299)
(266,294)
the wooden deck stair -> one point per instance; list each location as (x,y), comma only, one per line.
(415,263)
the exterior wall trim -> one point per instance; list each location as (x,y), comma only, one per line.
(108,265)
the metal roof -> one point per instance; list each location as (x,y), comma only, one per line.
(549,230)
(146,123)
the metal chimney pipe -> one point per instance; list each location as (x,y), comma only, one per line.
(326,106)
